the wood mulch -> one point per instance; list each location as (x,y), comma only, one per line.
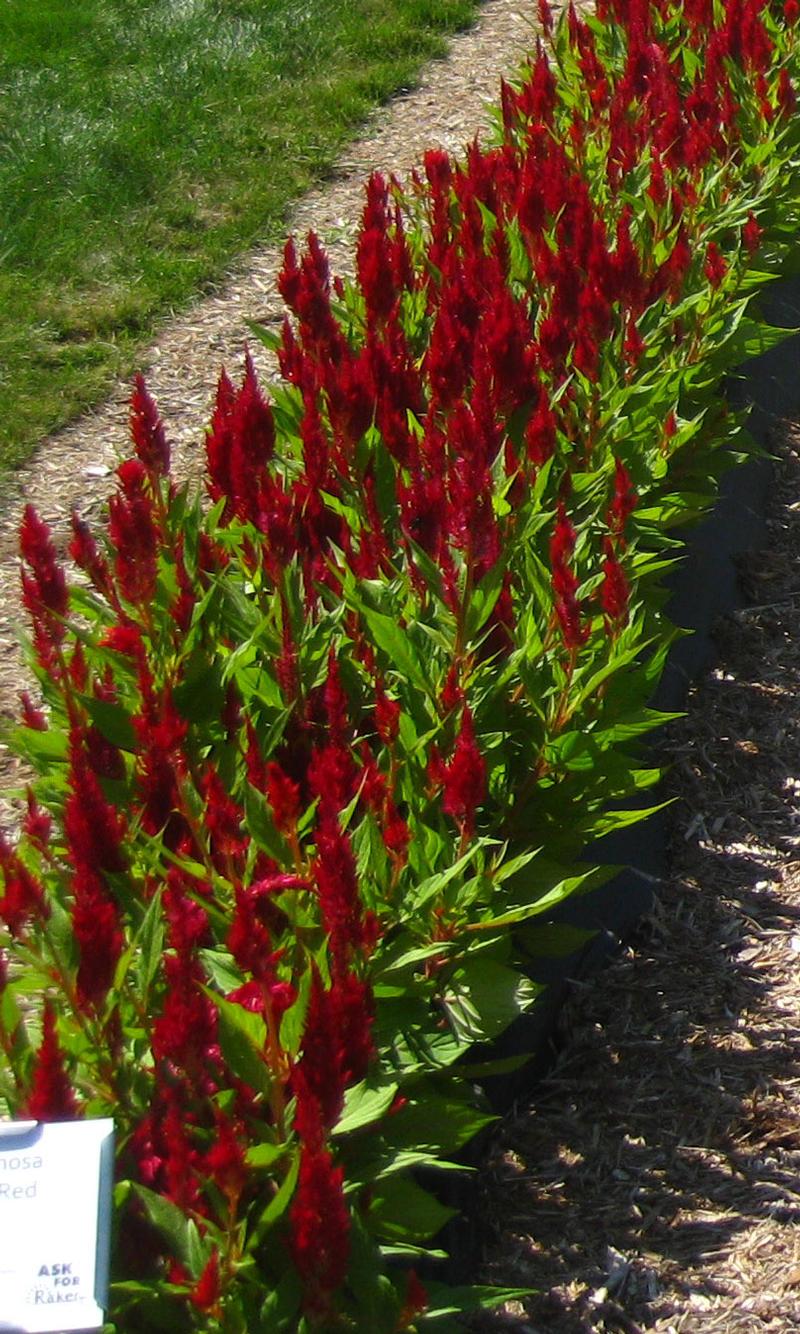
(654,1181)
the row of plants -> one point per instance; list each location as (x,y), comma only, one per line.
(319,749)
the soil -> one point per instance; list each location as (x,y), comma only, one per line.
(654,1180)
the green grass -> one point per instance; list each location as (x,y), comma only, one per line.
(144,144)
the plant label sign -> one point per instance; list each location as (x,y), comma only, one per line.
(55,1214)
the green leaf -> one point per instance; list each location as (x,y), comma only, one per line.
(150,942)
(752,338)
(447,1301)
(433,885)
(483,997)
(264,1155)
(437,1123)
(113,720)
(402,1211)
(394,641)
(243,1039)
(261,826)
(294,1019)
(276,1208)
(170,1221)
(364,1104)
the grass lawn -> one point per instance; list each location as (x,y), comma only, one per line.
(144,143)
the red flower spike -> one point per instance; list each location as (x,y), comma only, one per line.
(387,716)
(23,895)
(416,1300)
(715,266)
(634,346)
(614,592)
(320,1230)
(252,443)
(93,828)
(31,716)
(147,431)
(133,534)
(787,98)
(465,777)
(283,795)
(565,583)
(218,442)
(206,1292)
(624,502)
(224,1162)
(186,1031)
(86,554)
(38,823)
(222,818)
(44,587)
(95,925)
(751,234)
(337,886)
(374,254)
(51,1097)
(332,776)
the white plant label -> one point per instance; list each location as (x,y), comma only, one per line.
(55,1212)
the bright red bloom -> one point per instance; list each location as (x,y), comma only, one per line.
(218,443)
(283,795)
(44,589)
(374,253)
(133,533)
(320,1230)
(337,885)
(332,776)
(51,1097)
(751,234)
(147,430)
(387,716)
(251,433)
(465,776)
(565,583)
(337,1043)
(222,818)
(624,502)
(38,822)
(83,549)
(96,927)
(94,829)
(715,265)
(540,433)
(23,895)
(38,551)
(224,1162)
(186,1029)
(206,1291)
(31,716)
(634,346)
(614,591)
(416,1300)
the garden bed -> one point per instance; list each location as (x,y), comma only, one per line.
(652,1181)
